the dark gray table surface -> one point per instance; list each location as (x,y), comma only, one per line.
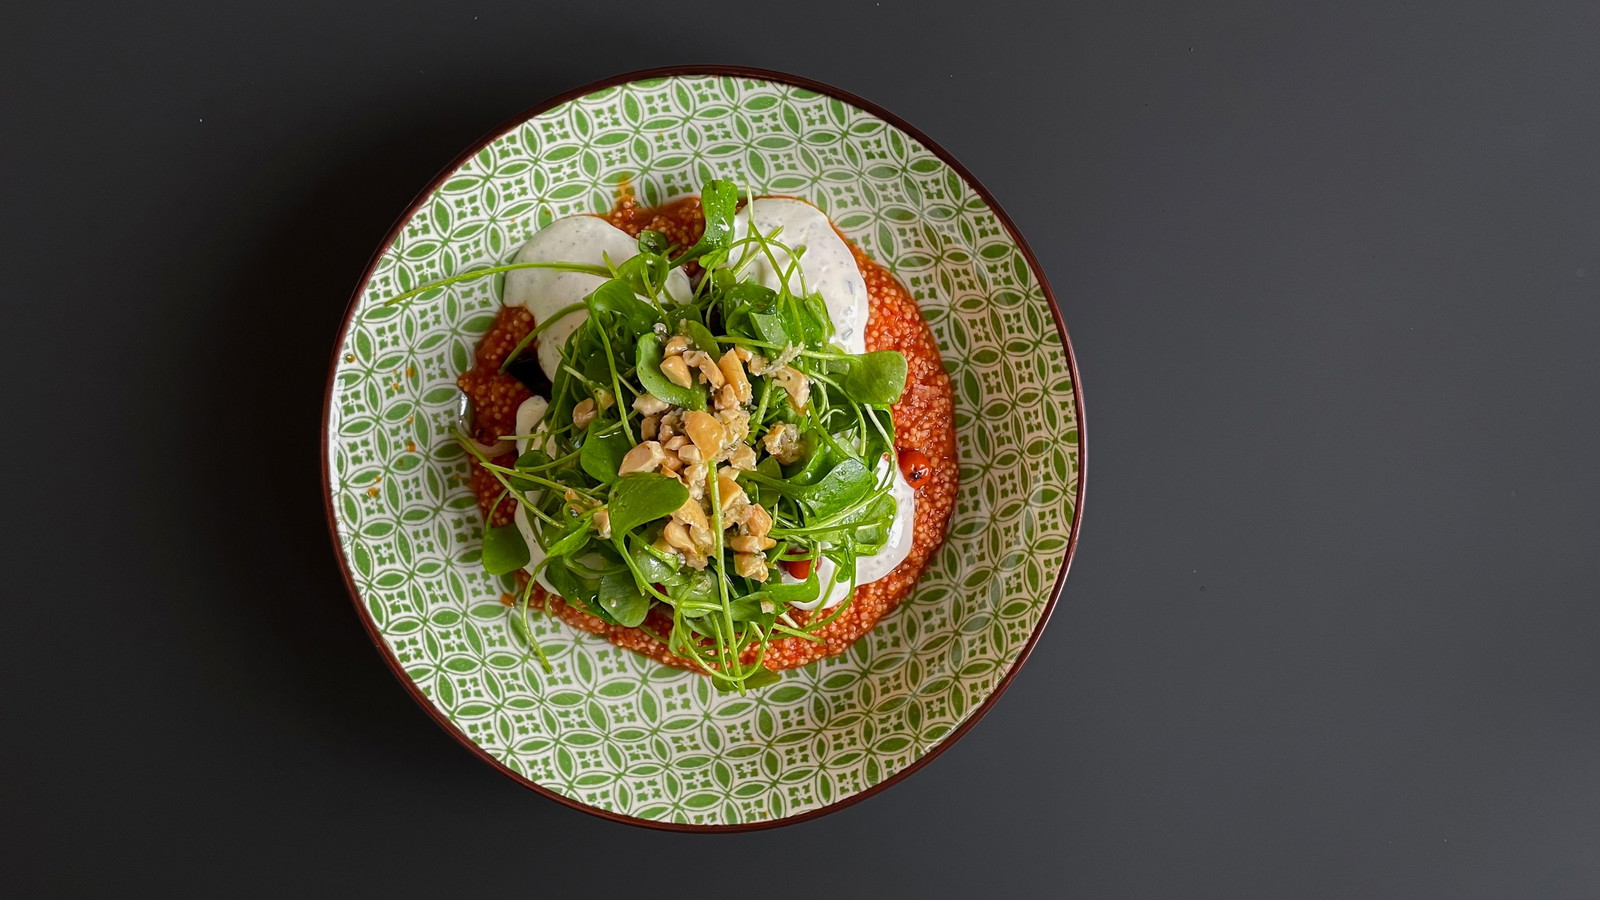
(1333,273)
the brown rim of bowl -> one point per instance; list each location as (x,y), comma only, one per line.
(675,72)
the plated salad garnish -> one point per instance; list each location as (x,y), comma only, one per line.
(706,454)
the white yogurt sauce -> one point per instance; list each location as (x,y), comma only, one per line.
(536,554)
(826,267)
(530,416)
(587,240)
(870,568)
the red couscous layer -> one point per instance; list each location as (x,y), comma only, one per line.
(924,420)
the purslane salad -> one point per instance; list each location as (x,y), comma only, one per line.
(703,443)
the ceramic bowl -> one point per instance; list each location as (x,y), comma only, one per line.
(609,731)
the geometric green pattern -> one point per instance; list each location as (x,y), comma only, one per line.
(609,729)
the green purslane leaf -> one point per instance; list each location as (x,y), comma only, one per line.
(604,449)
(646,273)
(621,597)
(769,468)
(719,200)
(572,539)
(503,550)
(769,327)
(866,526)
(879,433)
(697,594)
(815,323)
(574,586)
(648,370)
(701,336)
(652,242)
(748,609)
(876,379)
(643,497)
(810,471)
(740,299)
(847,484)
(651,567)
(566,582)
(533,459)
(750,294)
(617,297)
(781,593)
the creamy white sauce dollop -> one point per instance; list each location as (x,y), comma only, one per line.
(530,420)
(536,554)
(587,240)
(826,267)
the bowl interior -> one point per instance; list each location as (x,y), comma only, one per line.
(611,730)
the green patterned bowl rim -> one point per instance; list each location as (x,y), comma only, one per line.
(696,71)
